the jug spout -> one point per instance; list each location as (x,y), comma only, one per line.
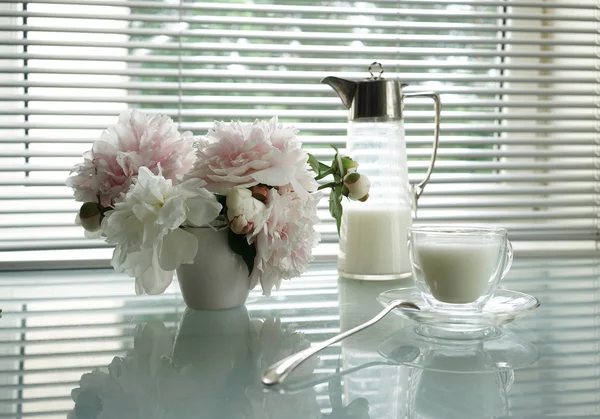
(346,89)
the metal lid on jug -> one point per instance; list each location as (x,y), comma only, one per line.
(374,97)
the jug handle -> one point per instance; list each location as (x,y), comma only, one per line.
(418,189)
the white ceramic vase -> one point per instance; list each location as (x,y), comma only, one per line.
(218,278)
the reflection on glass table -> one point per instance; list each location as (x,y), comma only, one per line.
(80,344)
(210,367)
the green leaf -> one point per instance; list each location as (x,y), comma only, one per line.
(314,163)
(338,172)
(327,185)
(240,246)
(321,169)
(324,173)
(335,206)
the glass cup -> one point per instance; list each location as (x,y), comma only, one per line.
(458,268)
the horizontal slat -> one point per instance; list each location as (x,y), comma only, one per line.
(330,23)
(396,16)
(283,48)
(301,36)
(502,190)
(503,178)
(297,87)
(52,245)
(503,202)
(276,59)
(314,76)
(299,114)
(296,112)
(20,196)
(306,9)
(312,9)
(501,215)
(317,100)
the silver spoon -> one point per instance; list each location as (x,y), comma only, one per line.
(278,372)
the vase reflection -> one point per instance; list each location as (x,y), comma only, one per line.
(209,369)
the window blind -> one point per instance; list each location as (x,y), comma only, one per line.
(519,80)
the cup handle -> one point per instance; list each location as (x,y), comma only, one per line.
(509,258)
(418,188)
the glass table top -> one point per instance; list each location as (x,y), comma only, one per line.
(80,344)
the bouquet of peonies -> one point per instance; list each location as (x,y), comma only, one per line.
(143,184)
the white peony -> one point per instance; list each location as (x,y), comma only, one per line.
(244,213)
(145,227)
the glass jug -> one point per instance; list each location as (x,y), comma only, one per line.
(373,234)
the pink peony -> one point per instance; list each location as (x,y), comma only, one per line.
(136,140)
(243,155)
(284,244)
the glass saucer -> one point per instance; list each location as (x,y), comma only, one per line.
(503,307)
(507,351)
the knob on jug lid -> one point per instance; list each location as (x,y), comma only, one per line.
(373,97)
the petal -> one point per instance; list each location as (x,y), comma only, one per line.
(275,176)
(117,259)
(191,187)
(144,174)
(202,211)
(145,212)
(154,281)
(299,189)
(177,247)
(173,213)
(151,234)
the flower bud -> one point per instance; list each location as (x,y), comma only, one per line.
(358,186)
(260,192)
(90,216)
(239,225)
(235,198)
(349,164)
(244,213)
